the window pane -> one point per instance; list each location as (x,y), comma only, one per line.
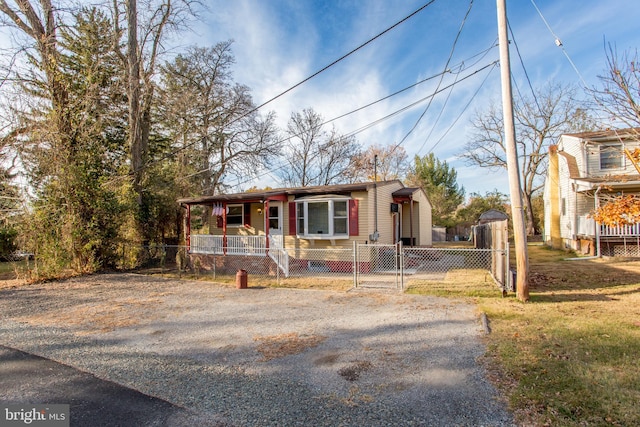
(318,221)
(610,157)
(274,220)
(340,209)
(340,226)
(234,216)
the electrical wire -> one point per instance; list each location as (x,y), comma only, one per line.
(453,47)
(406,18)
(388,116)
(559,43)
(377,36)
(495,64)
(526,74)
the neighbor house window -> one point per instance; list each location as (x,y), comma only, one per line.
(611,157)
(235,215)
(324,218)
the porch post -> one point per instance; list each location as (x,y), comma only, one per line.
(187,229)
(411,220)
(224,228)
(265,221)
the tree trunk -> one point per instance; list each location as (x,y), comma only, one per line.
(135,129)
(530,223)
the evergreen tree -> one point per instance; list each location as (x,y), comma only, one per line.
(439,182)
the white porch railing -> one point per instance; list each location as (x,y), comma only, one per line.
(586,227)
(620,231)
(278,254)
(236,245)
(242,245)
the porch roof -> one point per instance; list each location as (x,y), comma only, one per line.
(608,183)
(283,193)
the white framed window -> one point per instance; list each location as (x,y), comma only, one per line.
(322,218)
(235,215)
(274,218)
(611,157)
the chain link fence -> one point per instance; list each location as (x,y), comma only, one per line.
(382,266)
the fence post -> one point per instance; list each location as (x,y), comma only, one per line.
(401,260)
(507,267)
(355,264)
(279,257)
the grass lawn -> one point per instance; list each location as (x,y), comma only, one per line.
(571,355)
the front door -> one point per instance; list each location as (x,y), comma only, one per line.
(275,217)
(274,220)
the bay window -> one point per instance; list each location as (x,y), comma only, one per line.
(322,218)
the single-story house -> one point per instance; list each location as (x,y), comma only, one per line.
(263,222)
(585,169)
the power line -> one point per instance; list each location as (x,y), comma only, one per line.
(495,64)
(393,114)
(453,47)
(406,18)
(533,92)
(559,43)
(411,15)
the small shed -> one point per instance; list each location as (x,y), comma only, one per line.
(492,215)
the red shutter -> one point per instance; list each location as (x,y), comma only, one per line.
(219,221)
(247,214)
(353,218)
(292,218)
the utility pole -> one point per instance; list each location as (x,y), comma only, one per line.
(517,212)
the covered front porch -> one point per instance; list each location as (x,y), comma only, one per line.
(246,225)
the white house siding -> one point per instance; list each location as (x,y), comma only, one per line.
(573,147)
(567,201)
(546,233)
(593,155)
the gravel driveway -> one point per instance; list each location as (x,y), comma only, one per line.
(264,357)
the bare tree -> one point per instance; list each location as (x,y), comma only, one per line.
(539,120)
(619,96)
(314,156)
(393,163)
(146,24)
(211,120)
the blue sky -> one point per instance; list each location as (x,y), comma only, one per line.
(278,43)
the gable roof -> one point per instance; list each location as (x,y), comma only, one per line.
(607,135)
(279,193)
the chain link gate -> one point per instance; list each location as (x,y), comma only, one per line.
(379,266)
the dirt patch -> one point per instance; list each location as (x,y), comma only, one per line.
(353,371)
(276,346)
(99,317)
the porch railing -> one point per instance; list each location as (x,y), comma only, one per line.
(236,245)
(620,231)
(586,227)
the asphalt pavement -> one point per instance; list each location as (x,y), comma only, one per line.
(29,379)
